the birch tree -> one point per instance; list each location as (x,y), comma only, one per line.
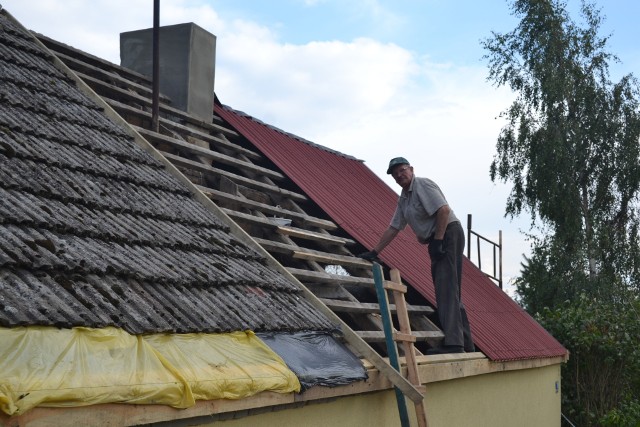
(570,148)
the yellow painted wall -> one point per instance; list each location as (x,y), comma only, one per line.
(522,398)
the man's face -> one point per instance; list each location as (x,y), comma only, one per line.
(403,174)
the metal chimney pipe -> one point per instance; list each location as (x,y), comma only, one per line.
(155,102)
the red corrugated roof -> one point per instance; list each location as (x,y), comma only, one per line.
(362,204)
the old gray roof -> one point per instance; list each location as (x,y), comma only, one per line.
(95,232)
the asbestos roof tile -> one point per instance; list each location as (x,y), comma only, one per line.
(95,232)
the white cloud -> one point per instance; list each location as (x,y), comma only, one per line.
(306,88)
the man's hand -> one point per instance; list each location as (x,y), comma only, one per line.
(436,249)
(369,256)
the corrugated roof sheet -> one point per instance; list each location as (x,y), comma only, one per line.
(94,232)
(362,204)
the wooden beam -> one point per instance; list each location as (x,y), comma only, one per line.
(309,254)
(209,154)
(362,307)
(64,49)
(244,217)
(210,170)
(425,336)
(407,339)
(267,209)
(279,247)
(393,286)
(399,336)
(123,414)
(330,279)
(328,258)
(217,141)
(311,235)
(84,68)
(108,91)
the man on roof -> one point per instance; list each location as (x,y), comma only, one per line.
(423,206)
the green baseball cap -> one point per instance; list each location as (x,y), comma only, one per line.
(395,162)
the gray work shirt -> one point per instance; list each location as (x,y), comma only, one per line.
(417,207)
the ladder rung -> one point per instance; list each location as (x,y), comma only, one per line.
(394,286)
(399,336)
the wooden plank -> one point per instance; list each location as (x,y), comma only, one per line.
(393,286)
(266,222)
(209,154)
(279,247)
(199,134)
(123,414)
(405,338)
(422,336)
(88,58)
(308,254)
(328,258)
(84,68)
(248,182)
(311,235)
(364,307)
(262,207)
(241,216)
(351,307)
(108,92)
(329,279)
(213,139)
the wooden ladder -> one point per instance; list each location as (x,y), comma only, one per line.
(403,336)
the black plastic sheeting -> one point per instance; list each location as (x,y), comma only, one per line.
(316,358)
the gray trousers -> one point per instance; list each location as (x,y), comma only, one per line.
(447,278)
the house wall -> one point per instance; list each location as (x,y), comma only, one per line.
(523,398)
(526,398)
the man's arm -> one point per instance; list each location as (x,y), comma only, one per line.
(442,220)
(386,238)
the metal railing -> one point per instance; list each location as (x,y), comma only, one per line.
(497,247)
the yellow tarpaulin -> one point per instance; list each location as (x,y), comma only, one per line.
(45,366)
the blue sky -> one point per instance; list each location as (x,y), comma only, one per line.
(371,78)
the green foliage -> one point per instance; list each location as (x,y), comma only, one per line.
(627,415)
(550,277)
(570,145)
(601,380)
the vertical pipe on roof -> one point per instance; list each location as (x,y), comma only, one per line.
(155,105)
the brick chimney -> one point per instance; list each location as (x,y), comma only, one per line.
(187,64)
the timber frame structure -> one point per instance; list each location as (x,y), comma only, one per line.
(256,195)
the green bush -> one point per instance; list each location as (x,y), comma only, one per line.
(601,380)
